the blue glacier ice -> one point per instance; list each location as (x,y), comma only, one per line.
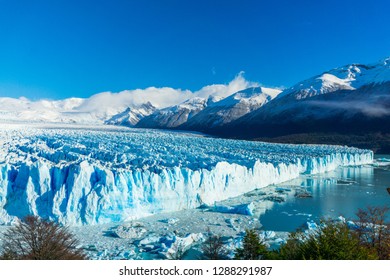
(92,175)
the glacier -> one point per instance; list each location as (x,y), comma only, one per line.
(79,175)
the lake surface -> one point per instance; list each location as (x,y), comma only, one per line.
(338,193)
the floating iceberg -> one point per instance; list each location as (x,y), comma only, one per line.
(91,175)
(243,209)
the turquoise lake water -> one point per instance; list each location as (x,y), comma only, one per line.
(338,193)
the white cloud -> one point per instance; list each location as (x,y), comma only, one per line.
(106,104)
(375,106)
(160,97)
(237,84)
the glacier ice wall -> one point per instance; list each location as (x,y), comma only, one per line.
(89,176)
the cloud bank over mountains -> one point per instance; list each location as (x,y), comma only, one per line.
(106,104)
(163,97)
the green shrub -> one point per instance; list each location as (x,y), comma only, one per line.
(331,241)
(252,248)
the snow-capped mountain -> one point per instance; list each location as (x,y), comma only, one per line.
(97,109)
(71,110)
(175,116)
(132,115)
(350,99)
(350,77)
(23,109)
(231,108)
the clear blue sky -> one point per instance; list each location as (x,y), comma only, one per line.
(62,48)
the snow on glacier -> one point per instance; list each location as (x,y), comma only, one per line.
(82,175)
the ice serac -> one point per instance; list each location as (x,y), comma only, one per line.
(83,176)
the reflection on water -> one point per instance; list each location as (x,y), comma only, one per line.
(340,192)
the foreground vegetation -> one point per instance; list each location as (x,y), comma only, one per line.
(38,239)
(368,238)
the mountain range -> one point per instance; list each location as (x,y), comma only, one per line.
(351,100)
(346,105)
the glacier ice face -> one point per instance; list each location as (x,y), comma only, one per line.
(78,175)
